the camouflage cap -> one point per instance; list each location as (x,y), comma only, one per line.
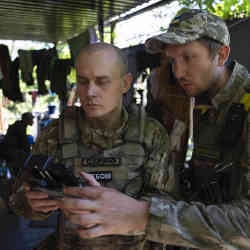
(189,26)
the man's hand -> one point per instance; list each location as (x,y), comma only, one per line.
(104,211)
(39,201)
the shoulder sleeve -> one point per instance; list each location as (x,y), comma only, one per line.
(157,167)
(47,141)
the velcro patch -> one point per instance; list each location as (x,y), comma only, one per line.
(102,176)
(104,161)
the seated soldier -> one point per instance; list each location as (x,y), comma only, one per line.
(126,153)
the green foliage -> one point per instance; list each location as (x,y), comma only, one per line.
(227,9)
(63,50)
(72,76)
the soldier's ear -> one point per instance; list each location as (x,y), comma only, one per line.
(223,54)
(127,80)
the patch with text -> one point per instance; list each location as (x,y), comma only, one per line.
(104,161)
(102,176)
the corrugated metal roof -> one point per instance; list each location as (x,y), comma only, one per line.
(55,20)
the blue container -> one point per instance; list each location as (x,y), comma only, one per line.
(51,109)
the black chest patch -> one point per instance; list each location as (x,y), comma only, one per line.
(101,162)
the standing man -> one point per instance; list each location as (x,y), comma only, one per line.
(215,214)
(128,155)
(16,147)
(215,207)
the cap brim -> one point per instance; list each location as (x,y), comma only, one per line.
(158,43)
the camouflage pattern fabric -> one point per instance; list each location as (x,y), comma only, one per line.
(193,224)
(155,165)
(190,26)
(173,222)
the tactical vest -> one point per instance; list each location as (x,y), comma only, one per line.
(216,171)
(120,167)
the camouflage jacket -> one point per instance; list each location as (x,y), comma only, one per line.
(58,140)
(216,226)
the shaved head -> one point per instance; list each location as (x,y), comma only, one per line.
(102,79)
(121,58)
